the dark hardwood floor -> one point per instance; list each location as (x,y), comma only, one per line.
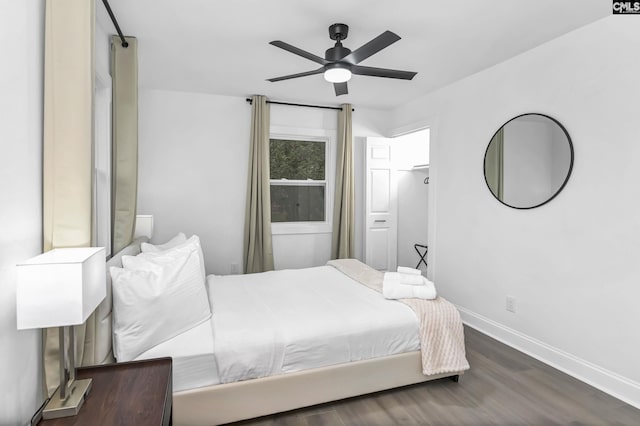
(503,387)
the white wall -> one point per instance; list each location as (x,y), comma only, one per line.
(193,158)
(21,75)
(411,150)
(192,173)
(571,264)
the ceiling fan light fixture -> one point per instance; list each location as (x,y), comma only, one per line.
(337,73)
(339,62)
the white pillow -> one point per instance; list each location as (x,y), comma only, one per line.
(187,246)
(156,301)
(151,248)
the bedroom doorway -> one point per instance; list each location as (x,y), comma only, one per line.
(396,200)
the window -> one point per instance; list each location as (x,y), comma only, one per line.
(298,175)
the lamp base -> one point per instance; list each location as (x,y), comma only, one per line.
(56,408)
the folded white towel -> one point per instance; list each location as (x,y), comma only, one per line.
(410,271)
(408,279)
(393,289)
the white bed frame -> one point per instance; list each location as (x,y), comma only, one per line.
(217,404)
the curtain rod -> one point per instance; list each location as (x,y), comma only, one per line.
(300,105)
(115,23)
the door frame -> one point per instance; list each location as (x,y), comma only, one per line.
(430,122)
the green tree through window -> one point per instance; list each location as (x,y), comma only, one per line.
(296,160)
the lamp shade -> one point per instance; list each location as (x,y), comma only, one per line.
(60,287)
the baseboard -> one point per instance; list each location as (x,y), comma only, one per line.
(607,381)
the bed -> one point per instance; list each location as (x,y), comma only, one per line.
(283,340)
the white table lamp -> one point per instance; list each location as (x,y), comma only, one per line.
(61,288)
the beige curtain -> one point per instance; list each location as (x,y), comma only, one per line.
(494,164)
(124,188)
(68,144)
(258,249)
(342,244)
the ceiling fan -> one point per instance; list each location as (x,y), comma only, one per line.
(339,62)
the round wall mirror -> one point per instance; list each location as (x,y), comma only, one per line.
(528,161)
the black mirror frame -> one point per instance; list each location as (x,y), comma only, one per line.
(484,169)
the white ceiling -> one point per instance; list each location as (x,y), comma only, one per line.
(221,47)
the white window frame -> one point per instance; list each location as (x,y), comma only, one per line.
(314,135)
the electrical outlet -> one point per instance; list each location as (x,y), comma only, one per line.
(511,304)
(235,268)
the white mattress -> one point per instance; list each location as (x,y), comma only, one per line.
(291,320)
(284,321)
(194,364)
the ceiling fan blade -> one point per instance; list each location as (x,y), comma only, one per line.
(382,72)
(300,74)
(385,39)
(299,52)
(341,88)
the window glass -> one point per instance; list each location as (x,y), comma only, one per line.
(296,160)
(298,183)
(297,203)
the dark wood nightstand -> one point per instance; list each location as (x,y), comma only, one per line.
(130,393)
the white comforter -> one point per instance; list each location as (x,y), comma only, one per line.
(291,320)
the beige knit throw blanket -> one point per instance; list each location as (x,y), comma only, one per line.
(441,331)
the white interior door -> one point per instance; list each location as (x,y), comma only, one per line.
(381,232)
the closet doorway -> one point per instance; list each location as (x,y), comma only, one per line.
(396,200)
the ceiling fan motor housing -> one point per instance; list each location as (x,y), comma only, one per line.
(336,53)
(338,32)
